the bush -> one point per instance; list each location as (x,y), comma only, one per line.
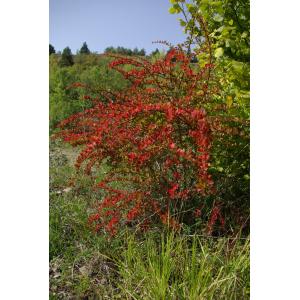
(156,136)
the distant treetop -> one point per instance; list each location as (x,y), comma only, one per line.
(51,49)
(66,58)
(155,52)
(125,51)
(84,49)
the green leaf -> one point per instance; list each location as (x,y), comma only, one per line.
(216,4)
(175,9)
(229,101)
(246,176)
(182,23)
(172,10)
(244,34)
(218,18)
(230,22)
(191,8)
(219,52)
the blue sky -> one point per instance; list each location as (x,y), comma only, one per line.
(103,23)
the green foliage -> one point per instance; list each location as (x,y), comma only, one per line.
(225,25)
(142,52)
(219,52)
(228,25)
(62,100)
(155,52)
(51,49)
(175,9)
(84,49)
(89,69)
(125,51)
(66,58)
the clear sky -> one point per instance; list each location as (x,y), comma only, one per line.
(103,23)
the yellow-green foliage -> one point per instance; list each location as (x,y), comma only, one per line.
(91,69)
(225,27)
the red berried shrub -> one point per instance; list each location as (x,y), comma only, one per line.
(156,137)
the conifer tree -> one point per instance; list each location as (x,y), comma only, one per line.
(66,58)
(84,49)
(51,49)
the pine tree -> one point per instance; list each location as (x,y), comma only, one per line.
(142,52)
(135,51)
(66,58)
(51,49)
(155,52)
(84,49)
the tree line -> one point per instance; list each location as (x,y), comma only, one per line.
(67,56)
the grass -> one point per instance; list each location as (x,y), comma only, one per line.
(156,265)
(178,267)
